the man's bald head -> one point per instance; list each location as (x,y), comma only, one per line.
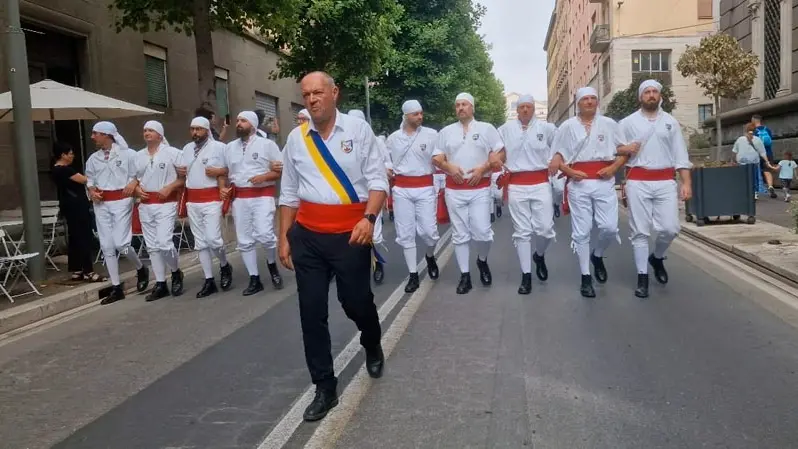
(321,96)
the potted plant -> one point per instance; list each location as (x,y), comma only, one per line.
(722,189)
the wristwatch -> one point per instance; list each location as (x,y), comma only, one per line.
(371,218)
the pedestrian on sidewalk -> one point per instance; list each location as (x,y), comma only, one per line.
(73,205)
(111,179)
(468,151)
(159,190)
(333,186)
(526,178)
(749,150)
(766,136)
(656,152)
(787,168)
(415,201)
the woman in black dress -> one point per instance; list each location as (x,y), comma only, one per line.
(74,207)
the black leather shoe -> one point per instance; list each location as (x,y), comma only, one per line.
(660,274)
(208,288)
(586,289)
(158,292)
(412,283)
(226,277)
(379,273)
(255,286)
(484,272)
(526,284)
(375,362)
(177,283)
(498,212)
(432,267)
(277,280)
(541,270)
(599,270)
(142,279)
(642,286)
(323,402)
(556,211)
(117,294)
(464,286)
(492,218)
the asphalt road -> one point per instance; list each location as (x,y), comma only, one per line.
(699,364)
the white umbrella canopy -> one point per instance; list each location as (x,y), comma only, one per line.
(55,101)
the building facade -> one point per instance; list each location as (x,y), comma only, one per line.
(766,28)
(74,42)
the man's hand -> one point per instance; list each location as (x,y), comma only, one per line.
(686,192)
(495,161)
(477,173)
(165,192)
(130,189)
(455,172)
(284,252)
(362,233)
(214,172)
(632,149)
(96,195)
(258,179)
(577,175)
(554,166)
(225,192)
(141,193)
(276,166)
(390,173)
(608,172)
(182,171)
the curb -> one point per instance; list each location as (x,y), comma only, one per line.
(47,307)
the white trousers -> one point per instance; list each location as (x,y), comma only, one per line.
(652,205)
(254,221)
(495,191)
(206,225)
(440,182)
(414,211)
(114,225)
(532,212)
(158,226)
(469,213)
(557,188)
(592,200)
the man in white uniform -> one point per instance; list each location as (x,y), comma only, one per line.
(585,149)
(159,191)
(111,173)
(528,151)
(254,164)
(302,117)
(467,151)
(204,168)
(657,151)
(413,190)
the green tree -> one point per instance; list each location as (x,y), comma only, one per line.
(627,101)
(722,68)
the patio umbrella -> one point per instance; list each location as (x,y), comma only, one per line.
(52,101)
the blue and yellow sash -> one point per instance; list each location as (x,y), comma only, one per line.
(334,175)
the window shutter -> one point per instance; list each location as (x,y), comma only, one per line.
(267,103)
(155,74)
(222,101)
(705,9)
(295,108)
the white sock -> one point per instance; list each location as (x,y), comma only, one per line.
(250,261)
(641,257)
(112,265)
(661,245)
(524,250)
(483,249)
(410,259)
(271,255)
(170,258)
(221,255)
(131,254)
(430,251)
(158,266)
(207,263)
(583,253)
(602,243)
(461,252)
(541,245)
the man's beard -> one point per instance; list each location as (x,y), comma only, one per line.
(242,133)
(199,140)
(650,107)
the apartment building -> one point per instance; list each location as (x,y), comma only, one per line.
(74,42)
(631,38)
(511,107)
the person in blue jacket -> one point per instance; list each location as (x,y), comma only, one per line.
(766,136)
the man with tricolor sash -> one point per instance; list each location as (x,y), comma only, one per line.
(255,164)
(585,150)
(333,186)
(526,180)
(203,167)
(467,151)
(413,190)
(657,151)
(111,174)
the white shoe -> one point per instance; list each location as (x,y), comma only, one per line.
(756,196)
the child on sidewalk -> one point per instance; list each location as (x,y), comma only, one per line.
(787,168)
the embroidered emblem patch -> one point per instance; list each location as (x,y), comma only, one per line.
(601,137)
(205,161)
(162,165)
(118,162)
(346,146)
(423,147)
(668,126)
(540,137)
(254,156)
(475,137)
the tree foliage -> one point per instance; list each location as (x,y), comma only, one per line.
(626,102)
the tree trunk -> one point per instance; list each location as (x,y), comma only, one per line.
(719,142)
(203,40)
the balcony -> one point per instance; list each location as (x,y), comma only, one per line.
(600,39)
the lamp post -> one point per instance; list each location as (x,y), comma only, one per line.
(368,102)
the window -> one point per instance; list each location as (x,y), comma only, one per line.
(654,63)
(295,108)
(704,112)
(222,93)
(269,105)
(155,75)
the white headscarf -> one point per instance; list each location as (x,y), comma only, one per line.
(586,92)
(526,99)
(357,113)
(202,122)
(158,128)
(409,107)
(251,117)
(304,113)
(110,129)
(465,96)
(647,84)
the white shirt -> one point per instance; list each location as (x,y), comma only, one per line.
(210,155)
(354,147)
(113,173)
(662,139)
(411,154)
(386,155)
(471,148)
(527,149)
(156,171)
(253,159)
(602,145)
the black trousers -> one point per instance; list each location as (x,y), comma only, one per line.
(79,225)
(316,258)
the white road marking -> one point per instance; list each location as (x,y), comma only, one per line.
(288,425)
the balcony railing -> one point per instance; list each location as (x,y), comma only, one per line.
(600,39)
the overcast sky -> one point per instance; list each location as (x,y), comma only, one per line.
(517,29)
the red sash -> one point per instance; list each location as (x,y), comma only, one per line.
(483,183)
(443,213)
(206,195)
(591,169)
(254,192)
(330,218)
